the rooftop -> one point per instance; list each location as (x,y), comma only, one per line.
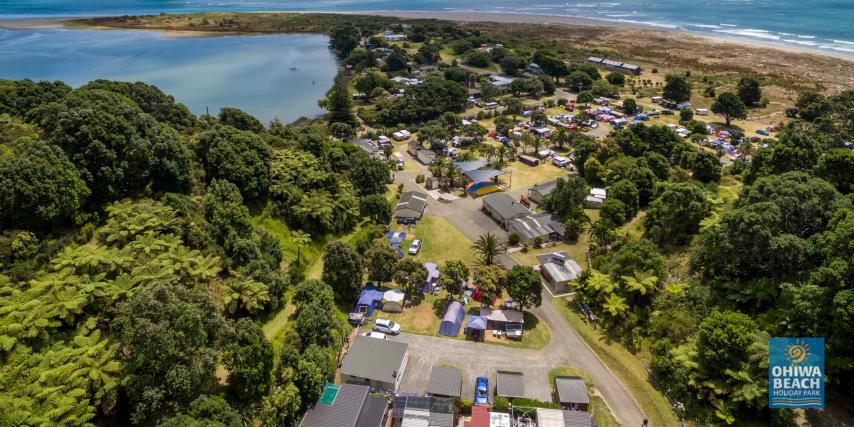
(537,225)
(560,266)
(505,207)
(351,407)
(509,384)
(374,359)
(414,200)
(445,381)
(571,390)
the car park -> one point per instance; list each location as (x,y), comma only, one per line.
(386,326)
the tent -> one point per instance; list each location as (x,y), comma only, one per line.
(369,299)
(453,319)
(393,301)
(476,327)
(432,275)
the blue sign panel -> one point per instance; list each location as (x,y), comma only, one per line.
(796,373)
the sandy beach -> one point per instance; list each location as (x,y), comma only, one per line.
(644,44)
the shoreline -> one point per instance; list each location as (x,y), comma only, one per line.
(460,17)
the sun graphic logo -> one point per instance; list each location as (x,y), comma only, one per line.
(797,352)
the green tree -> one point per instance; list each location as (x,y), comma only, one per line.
(524,285)
(452,277)
(375,207)
(488,248)
(616,79)
(344,38)
(677,88)
(240,120)
(630,106)
(836,167)
(339,102)
(249,359)
(749,91)
(675,215)
(380,260)
(579,81)
(342,270)
(410,274)
(172,336)
(240,157)
(206,411)
(730,106)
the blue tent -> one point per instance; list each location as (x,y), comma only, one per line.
(477,322)
(369,299)
(450,326)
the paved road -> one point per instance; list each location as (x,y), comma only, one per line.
(476,359)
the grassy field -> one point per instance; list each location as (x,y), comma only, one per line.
(424,319)
(524,176)
(626,366)
(598,408)
(440,241)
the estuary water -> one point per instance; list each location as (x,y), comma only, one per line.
(269,76)
(826,25)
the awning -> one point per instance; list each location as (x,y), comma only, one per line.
(477,322)
(482,175)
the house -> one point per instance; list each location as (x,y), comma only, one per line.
(558,270)
(346,405)
(500,81)
(571,393)
(509,384)
(503,208)
(539,192)
(423,411)
(378,364)
(595,198)
(413,147)
(410,207)
(543,225)
(559,418)
(445,381)
(426,156)
(368,147)
(392,37)
(615,65)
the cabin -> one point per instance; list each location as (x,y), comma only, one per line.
(559,271)
(425,156)
(544,226)
(528,160)
(539,192)
(503,209)
(410,207)
(376,363)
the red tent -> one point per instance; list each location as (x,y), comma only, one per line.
(479,417)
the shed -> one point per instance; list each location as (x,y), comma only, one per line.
(559,270)
(509,384)
(453,320)
(528,160)
(549,417)
(498,319)
(426,156)
(571,393)
(577,419)
(369,299)
(445,381)
(393,301)
(379,364)
(543,225)
(538,192)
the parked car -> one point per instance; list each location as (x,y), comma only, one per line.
(481,391)
(386,326)
(593,124)
(762,132)
(377,335)
(415,247)
(667,112)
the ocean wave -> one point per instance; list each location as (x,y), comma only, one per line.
(843,42)
(654,24)
(801,42)
(750,32)
(712,26)
(837,48)
(728,25)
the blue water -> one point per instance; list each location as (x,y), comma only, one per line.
(249,72)
(818,24)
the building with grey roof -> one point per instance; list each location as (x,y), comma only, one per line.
(558,418)
(543,225)
(558,270)
(351,407)
(376,363)
(502,208)
(509,384)
(423,411)
(445,381)
(539,192)
(577,419)
(571,393)
(410,206)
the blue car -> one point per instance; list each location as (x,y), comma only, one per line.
(481,391)
(762,132)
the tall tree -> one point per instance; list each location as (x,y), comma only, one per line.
(487,248)
(677,88)
(730,106)
(249,359)
(342,270)
(749,90)
(523,284)
(339,101)
(454,274)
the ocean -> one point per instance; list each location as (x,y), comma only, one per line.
(826,25)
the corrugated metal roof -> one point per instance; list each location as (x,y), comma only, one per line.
(411,200)
(374,359)
(445,381)
(571,390)
(509,316)
(505,206)
(344,410)
(577,419)
(373,412)
(549,417)
(509,384)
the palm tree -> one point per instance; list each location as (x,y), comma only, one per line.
(501,152)
(601,233)
(488,247)
(537,143)
(615,305)
(561,138)
(300,238)
(642,282)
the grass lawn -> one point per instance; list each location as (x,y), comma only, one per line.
(625,365)
(440,241)
(601,412)
(524,176)
(424,319)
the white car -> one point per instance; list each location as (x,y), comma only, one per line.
(377,335)
(386,326)
(415,247)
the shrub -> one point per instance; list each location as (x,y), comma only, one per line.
(655,71)
(513,239)
(464,406)
(419,178)
(686,114)
(534,403)
(500,404)
(538,242)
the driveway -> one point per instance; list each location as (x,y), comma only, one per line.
(475,359)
